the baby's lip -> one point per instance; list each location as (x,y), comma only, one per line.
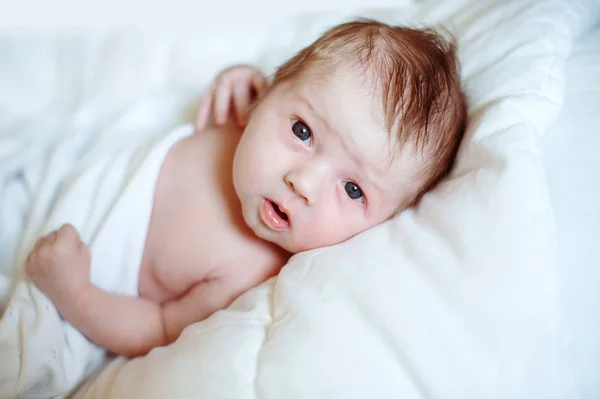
(275,216)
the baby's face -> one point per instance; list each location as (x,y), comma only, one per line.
(314,166)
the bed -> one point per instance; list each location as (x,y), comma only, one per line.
(570,149)
(486,290)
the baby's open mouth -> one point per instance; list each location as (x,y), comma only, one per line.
(279,212)
(274,217)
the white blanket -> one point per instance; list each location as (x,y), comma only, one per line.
(107,195)
(455,299)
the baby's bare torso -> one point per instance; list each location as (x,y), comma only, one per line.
(196,232)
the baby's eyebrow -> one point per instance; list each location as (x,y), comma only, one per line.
(357,158)
(315,113)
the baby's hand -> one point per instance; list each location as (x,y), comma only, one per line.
(239,86)
(59,265)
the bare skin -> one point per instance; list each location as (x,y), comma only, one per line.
(199,255)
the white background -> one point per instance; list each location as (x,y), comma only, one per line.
(160,14)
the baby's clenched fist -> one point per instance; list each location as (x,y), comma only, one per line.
(59,264)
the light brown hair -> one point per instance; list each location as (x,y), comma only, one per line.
(417,73)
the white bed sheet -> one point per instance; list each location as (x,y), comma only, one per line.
(572,157)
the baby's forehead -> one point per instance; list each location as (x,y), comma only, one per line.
(343,93)
(398,166)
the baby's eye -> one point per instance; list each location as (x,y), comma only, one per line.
(302,131)
(353,191)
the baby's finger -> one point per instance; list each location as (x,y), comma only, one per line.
(68,232)
(259,82)
(203,113)
(49,239)
(241,101)
(32,254)
(85,251)
(37,244)
(222,103)
(28,260)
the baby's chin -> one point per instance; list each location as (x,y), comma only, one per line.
(281,241)
(295,247)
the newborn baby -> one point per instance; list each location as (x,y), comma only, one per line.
(353,129)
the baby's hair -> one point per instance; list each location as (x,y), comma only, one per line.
(415,71)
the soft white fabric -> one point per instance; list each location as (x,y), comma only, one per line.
(108,197)
(454,299)
(571,149)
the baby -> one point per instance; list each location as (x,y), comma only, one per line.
(353,129)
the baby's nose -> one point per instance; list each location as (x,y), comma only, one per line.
(296,184)
(306,180)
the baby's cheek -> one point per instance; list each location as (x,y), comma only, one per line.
(327,231)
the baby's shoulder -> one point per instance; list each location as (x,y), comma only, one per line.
(247,258)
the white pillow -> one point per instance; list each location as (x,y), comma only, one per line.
(454,299)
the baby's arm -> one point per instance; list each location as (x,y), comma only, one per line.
(132,326)
(202,300)
(232,94)
(125,325)
(59,265)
